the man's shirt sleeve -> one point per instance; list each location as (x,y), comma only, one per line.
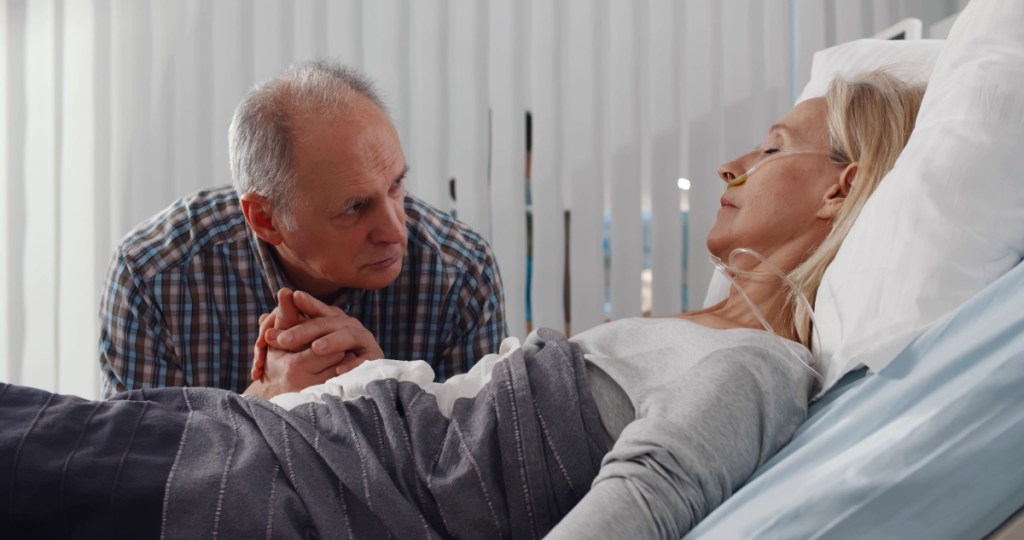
(480,324)
(134,348)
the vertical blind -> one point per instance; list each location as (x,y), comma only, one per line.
(111,109)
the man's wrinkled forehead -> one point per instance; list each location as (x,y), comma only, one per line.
(347,158)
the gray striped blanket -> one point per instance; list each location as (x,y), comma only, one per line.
(508,463)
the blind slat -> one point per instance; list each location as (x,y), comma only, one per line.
(39,258)
(547,291)
(584,133)
(508,155)
(622,150)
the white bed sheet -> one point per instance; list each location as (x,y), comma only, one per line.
(930,447)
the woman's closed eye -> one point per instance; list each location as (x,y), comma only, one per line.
(766,153)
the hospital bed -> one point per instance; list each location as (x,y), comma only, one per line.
(928,445)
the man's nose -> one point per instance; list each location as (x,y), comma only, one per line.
(390,226)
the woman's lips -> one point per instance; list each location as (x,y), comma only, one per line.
(726,202)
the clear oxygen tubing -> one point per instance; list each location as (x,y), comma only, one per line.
(729,269)
(742,179)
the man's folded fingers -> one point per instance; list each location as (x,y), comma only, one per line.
(312,307)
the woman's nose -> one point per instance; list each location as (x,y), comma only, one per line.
(737,167)
(729,170)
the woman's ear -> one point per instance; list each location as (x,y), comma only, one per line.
(260,217)
(836,194)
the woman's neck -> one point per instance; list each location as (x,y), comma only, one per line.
(766,294)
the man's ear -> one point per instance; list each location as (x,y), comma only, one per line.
(835,197)
(259,214)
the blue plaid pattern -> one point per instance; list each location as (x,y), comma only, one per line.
(185,290)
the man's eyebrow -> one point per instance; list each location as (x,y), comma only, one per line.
(348,203)
(360,198)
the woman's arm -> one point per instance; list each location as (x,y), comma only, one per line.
(698,436)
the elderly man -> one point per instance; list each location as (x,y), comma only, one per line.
(318,206)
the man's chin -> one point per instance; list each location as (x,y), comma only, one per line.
(380,278)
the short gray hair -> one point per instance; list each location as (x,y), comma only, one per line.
(260,141)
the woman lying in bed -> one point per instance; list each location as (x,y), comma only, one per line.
(638,428)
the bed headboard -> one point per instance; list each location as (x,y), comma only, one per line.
(909,28)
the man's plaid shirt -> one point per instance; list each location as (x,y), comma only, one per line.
(186,288)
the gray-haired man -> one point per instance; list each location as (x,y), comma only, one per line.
(318,205)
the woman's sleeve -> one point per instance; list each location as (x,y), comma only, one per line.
(698,436)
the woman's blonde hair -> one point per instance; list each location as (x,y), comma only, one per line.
(869,118)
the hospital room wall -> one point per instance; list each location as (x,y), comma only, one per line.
(111,109)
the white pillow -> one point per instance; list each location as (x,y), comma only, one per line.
(910,60)
(949,217)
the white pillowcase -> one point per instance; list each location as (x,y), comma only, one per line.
(909,60)
(949,218)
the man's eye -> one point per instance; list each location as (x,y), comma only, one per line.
(354,209)
(770,151)
(397,186)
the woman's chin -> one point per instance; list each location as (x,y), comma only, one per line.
(717,245)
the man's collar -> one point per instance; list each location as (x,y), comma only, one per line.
(272,271)
(276,278)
